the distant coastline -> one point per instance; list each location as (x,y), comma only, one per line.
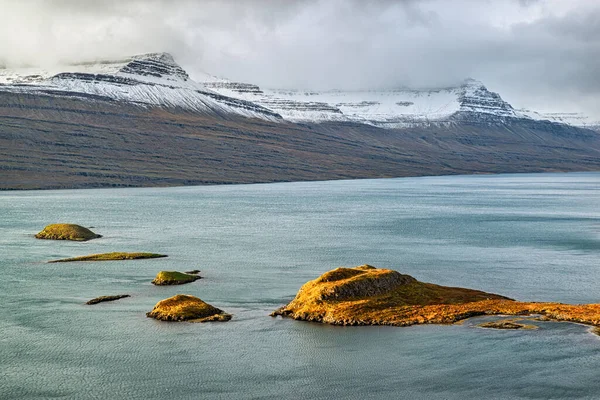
(201,183)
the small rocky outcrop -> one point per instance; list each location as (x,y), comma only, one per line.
(193,272)
(366,295)
(115,256)
(174,278)
(183,307)
(506,324)
(67,232)
(106,298)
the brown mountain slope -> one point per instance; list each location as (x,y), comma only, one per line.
(62,142)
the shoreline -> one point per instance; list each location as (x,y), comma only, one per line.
(279,182)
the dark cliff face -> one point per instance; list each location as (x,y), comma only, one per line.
(235,86)
(274,103)
(243,104)
(95,78)
(158,65)
(478,104)
(313,106)
(49,141)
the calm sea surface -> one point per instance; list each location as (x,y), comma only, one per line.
(530,237)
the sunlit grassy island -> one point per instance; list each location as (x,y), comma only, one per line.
(184,307)
(174,278)
(115,256)
(67,232)
(366,295)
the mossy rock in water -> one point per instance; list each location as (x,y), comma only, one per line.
(174,278)
(102,299)
(372,296)
(111,257)
(184,307)
(67,232)
(193,272)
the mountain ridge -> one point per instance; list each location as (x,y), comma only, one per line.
(153,79)
(156,79)
(99,128)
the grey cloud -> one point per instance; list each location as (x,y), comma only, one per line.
(537,53)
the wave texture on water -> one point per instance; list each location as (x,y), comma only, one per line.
(532,237)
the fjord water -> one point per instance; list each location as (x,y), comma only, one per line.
(530,237)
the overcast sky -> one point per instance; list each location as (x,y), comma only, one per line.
(542,54)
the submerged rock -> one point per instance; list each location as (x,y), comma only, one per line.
(107,298)
(67,232)
(111,257)
(505,324)
(366,295)
(174,278)
(183,307)
(193,272)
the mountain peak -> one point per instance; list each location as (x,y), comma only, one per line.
(157,65)
(475,98)
(162,57)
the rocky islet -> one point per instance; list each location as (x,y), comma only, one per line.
(174,278)
(366,295)
(67,232)
(102,299)
(362,295)
(183,307)
(114,256)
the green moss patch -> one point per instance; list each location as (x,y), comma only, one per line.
(67,232)
(111,257)
(174,278)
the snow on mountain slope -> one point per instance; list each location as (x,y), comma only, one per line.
(157,80)
(574,119)
(384,108)
(470,101)
(149,80)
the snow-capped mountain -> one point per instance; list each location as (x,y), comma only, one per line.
(384,108)
(147,80)
(157,80)
(469,101)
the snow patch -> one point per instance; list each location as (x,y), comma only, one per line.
(147,80)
